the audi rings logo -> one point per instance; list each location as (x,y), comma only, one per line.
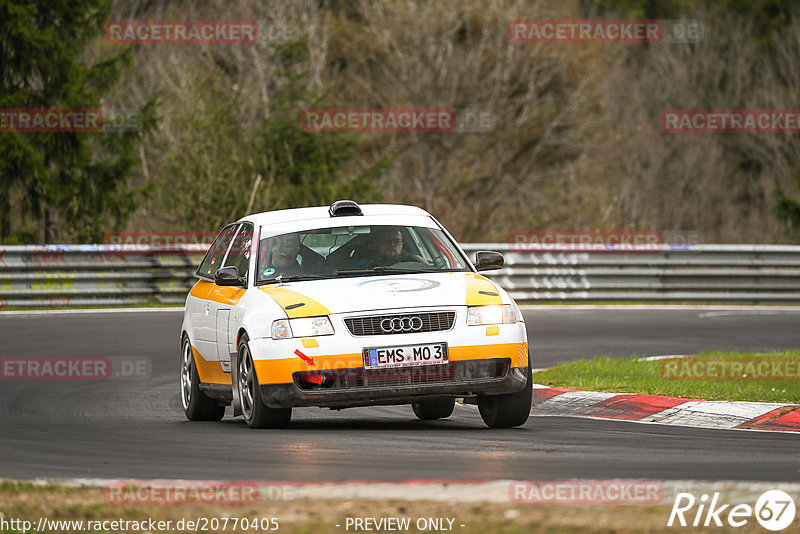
(401,324)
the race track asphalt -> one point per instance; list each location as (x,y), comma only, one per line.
(135,428)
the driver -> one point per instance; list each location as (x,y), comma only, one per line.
(388,243)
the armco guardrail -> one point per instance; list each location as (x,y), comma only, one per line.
(96,275)
(85,275)
(710,273)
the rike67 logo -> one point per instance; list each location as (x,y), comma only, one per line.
(774,510)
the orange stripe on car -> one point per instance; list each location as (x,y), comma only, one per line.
(518,352)
(221,294)
(210,372)
(201,289)
(280,371)
(295,304)
(226,294)
(481,291)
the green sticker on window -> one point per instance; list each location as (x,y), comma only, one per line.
(269,271)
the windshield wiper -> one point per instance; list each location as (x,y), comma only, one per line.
(296,278)
(382,269)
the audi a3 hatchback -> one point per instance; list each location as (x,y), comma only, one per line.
(347,306)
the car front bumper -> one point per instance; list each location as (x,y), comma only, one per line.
(344,388)
(330,371)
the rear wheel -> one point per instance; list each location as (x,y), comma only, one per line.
(437,409)
(256,413)
(196,405)
(510,409)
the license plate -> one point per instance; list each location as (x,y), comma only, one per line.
(405,356)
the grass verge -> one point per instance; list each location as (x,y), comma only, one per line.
(24,501)
(681,378)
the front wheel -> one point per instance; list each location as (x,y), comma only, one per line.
(196,404)
(256,413)
(509,410)
(438,409)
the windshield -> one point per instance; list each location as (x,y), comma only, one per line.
(356,251)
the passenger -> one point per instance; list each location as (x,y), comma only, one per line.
(285,249)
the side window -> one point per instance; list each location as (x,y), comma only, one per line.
(239,255)
(215,254)
(416,245)
(441,250)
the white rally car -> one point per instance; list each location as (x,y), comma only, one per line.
(346,306)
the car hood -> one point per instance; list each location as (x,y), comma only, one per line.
(360,294)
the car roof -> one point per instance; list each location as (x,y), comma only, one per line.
(322,213)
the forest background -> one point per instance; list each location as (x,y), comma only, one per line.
(575,144)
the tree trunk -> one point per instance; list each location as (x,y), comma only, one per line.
(5,217)
(46,225)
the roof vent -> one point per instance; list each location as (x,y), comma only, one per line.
(344,208)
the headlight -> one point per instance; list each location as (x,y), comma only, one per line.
(478,315)
(302,327)
(311,326)
(281,330)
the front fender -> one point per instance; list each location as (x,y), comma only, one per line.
(256,312)
(237,398)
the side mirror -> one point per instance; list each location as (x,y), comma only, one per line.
(488,261)
(228,276)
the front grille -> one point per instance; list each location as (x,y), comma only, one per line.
(453,372)
(406,323)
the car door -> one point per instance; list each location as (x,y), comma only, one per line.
(222,301)
(204,337)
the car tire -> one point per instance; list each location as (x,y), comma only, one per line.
(437,409)
(256,413)
(510,409)
(196,404)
